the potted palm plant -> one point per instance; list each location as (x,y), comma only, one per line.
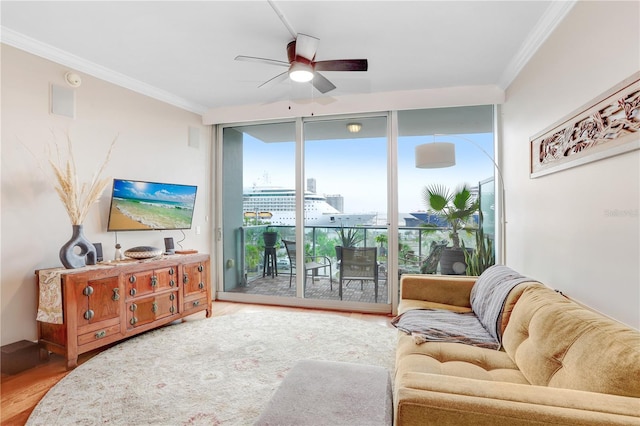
(457,209)
(349,237)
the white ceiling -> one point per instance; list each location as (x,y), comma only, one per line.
(183,52)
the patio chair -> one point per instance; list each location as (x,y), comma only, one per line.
(311,263)
(359,263)
(424,265)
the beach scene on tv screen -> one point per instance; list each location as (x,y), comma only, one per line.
(150,205)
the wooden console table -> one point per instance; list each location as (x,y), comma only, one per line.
(106,303)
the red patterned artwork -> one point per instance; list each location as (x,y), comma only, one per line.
(607,126)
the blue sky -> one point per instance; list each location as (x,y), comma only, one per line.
(356,168)
(154,191)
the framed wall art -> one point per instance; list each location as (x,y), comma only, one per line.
(607,126)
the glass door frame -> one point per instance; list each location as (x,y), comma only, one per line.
(392,212)
(299,300)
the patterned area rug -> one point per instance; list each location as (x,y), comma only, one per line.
(216,371)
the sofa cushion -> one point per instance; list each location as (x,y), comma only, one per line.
(454,359)
(430,399)
(443,289)
(556,342)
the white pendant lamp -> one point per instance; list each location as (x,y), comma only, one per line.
(435,155)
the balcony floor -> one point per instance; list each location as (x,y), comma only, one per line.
(317,288)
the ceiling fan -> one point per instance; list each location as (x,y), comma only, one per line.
(302,67)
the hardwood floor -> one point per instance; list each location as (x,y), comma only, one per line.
(21,392)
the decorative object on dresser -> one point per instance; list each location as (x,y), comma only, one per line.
(83,309)
(77,199)
(143,252)
(169,246)
(99,253)
(86,255)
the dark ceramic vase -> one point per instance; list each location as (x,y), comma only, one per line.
(86,255)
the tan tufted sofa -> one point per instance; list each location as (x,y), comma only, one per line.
(560,363)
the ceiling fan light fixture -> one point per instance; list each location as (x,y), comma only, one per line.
(354,127)
(300,72)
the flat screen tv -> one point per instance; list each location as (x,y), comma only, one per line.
(139,205)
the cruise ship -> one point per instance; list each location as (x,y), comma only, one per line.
(276,206)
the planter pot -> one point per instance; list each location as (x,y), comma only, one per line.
(270,238)
(338,253)
(452,262)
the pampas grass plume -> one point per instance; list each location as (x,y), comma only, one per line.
(76,198)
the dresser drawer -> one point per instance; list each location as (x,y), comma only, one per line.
(99,334)
(195,304)
(145,310)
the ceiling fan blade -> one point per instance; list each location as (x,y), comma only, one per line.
(306,46)
(283,18)
(321,83)
(277,79)
(261,60)
(342,65)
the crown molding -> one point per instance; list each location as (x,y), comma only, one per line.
(35,47)
(363,103)
(551,18)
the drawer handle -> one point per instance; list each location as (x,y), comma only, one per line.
(133,321)
(132,279)
(89,314)
(100,334)
(133,292)
(196,303)
(172,309)
(154,307)
(116,294)
(171,271)
(172,283)
(133,307)
(185,279)
(172,296)
(201,286)
(88,291)
(200,268)
(154,281)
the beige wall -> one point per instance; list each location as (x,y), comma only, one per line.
(152,145)
(560,227)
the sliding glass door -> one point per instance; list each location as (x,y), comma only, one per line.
(315,186)
(258,199)
(345,169)
(345,191)
(427,242)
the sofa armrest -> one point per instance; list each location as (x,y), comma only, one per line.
(432,399)
(444,289)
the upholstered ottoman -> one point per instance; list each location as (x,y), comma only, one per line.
(318,393)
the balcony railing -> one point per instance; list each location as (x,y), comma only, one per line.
(414,242)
